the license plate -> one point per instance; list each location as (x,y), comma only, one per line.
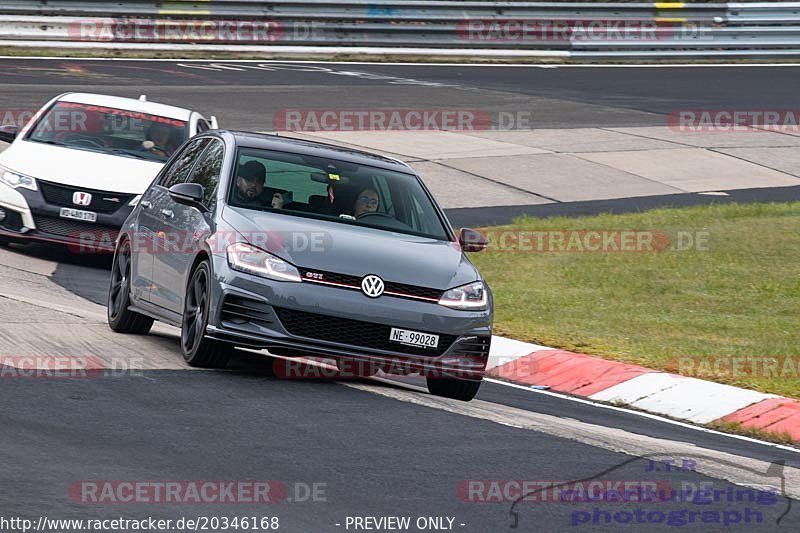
(414,338)
(77,214)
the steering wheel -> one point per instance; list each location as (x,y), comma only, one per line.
(78,138)
(373,214)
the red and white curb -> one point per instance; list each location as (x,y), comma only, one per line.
(676,396)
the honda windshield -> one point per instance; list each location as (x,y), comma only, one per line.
(109,130)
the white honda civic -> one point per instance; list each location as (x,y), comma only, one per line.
(75,171)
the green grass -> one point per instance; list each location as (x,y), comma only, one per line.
(738,297)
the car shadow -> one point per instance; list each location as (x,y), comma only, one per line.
(83,274)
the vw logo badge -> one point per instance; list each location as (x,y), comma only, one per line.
(81,198)
(372,286)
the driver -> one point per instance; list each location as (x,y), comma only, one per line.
(250,180)
(159,140)
(367,201)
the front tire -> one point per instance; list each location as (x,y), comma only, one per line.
(120,318)
(198,350)
(457,389)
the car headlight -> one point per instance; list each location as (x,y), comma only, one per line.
(135,201)
(471,296)
(16,180)
(247,258)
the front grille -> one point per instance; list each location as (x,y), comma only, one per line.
(353,332)
(84,231)
(238,311)
(413,290)
(12,221)
(354,282)
(102,202)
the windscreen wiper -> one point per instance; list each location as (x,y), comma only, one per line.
(132,153)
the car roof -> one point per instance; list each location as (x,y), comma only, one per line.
(128,104)
(281,143)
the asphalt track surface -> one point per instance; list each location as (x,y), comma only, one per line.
(375,449)
(564,97)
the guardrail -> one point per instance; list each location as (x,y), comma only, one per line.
(433,27)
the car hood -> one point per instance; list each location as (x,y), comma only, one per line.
(354,250)
(80,168)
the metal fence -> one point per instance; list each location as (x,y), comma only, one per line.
(434,27)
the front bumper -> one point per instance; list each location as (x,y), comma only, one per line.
(312,320)
(29,217)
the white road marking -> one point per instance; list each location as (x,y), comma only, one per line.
(642,414)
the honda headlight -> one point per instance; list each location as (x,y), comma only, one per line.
(16,180)
(246,258)
(471,296)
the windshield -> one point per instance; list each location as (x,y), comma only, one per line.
(347,193)
(110,130)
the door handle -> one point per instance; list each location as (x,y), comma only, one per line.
(167,213)
(147,204)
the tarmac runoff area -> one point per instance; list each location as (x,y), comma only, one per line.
(468,169)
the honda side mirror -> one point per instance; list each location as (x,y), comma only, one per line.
(8,133)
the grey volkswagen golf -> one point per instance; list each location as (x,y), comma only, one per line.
(303,249)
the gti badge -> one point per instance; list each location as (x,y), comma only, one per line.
(372,286)
(81,198)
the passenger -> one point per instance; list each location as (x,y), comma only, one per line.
(367,201)
(280,199)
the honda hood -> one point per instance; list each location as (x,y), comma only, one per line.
(80,168)
(355,250)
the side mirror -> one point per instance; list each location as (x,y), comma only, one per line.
(8,133)
(214,122)
(190,194)
(471,240)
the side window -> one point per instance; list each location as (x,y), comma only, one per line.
(180,167)
(208,168)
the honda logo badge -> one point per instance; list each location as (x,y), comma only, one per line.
(81,198)
(372,286)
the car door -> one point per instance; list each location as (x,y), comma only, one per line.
(161,206)
(145,241)
(186,227)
